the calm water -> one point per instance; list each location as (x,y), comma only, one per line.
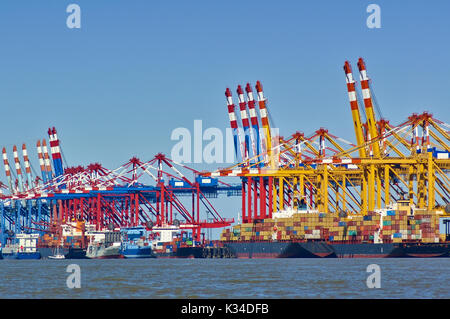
(232,278)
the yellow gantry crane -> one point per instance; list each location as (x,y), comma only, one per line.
(326,173)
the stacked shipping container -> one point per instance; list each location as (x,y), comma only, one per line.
(396,226)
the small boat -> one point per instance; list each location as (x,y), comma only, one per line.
(57,253)
(58,256)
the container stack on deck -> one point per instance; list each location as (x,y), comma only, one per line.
(395,226)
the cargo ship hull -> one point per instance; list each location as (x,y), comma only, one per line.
(137,252)
(76,253)
(322,249)
(182,252)
(102,252)
(21,255)
(32,255)
(392,250)
(280,250)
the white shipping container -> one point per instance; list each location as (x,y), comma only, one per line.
(312,236)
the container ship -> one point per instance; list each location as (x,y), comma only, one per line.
(397,231)
(24,247)
(318,195)
(136,243)
(171,242)
(104,244)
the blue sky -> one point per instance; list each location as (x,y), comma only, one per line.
(136,70)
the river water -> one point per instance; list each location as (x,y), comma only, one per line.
(226,278)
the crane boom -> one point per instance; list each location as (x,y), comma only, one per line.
(371,121)
(354,108)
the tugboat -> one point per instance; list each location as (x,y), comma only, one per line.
(136,243)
